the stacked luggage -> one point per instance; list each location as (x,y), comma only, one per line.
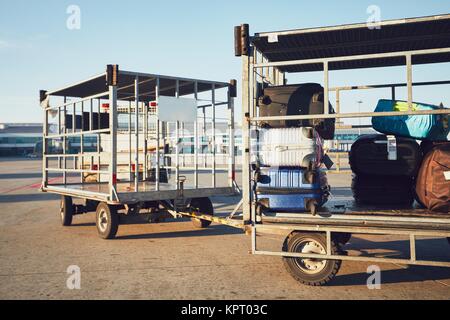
(289,156)
(388,169)
(384,169)
(433,179)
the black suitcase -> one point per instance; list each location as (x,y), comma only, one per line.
(299,99)
(427,145)
(83,122)
(369,156)
(379,190)
(163,175)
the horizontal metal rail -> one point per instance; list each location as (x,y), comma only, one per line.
(352,115)
(391,85)
(75,170)
(387,230)
(411,233)
(351,58)
(355,258)
(74,134)
(351,26)
(324,217)
(71,103)
(77,193)
(142,74)
(194,168)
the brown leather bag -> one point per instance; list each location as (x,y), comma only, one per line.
(433,186)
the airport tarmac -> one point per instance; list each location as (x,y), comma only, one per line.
(173,260)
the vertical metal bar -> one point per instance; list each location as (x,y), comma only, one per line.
(253,112)
(196,154)
(204,137)
(409,80)
(73,118)
(253,240)
(60,159)
(82,142)
(231,154)
(196,140)
(113,134)
(157,136)
(338,110)
(145,115)
(182,139)
(326,88)
(99,142)
(213,105)
(65,142)
(91,116)
(393,92)
(246,204)
(412,246)
(74,158)
(328,235)
(177,164)
(45,150)
(136,135)
(130,157)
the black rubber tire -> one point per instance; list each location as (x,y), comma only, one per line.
(201,206)
(323,276)
(342,237)
(66,211)
(106,221)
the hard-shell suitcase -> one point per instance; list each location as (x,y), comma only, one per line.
(430,127)
(374,189)
(375,154)
(299,99)
(291,189)
(295,147)
(433,180)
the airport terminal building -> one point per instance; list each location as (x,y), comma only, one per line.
(19,139)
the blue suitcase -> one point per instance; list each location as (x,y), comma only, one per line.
(291,189)
(420,127)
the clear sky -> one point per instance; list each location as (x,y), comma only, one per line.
(184,38)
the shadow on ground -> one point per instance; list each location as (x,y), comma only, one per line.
(410,274)
(215,230)
(11,198)
(399,249)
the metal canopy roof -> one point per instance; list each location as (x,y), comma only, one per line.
(147,84)
(357,39)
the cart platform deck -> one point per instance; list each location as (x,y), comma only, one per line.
(127,194)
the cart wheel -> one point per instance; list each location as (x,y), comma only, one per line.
(201,206)
(311,272)
(107,221)
(342,237)
(312,207)
(66,211)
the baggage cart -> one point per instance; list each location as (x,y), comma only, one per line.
(312,247)
(135,167)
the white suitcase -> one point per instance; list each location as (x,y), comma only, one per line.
(289,147)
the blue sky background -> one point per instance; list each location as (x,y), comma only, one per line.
(185,38)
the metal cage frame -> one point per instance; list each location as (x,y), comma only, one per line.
(256,69)
(116,91)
